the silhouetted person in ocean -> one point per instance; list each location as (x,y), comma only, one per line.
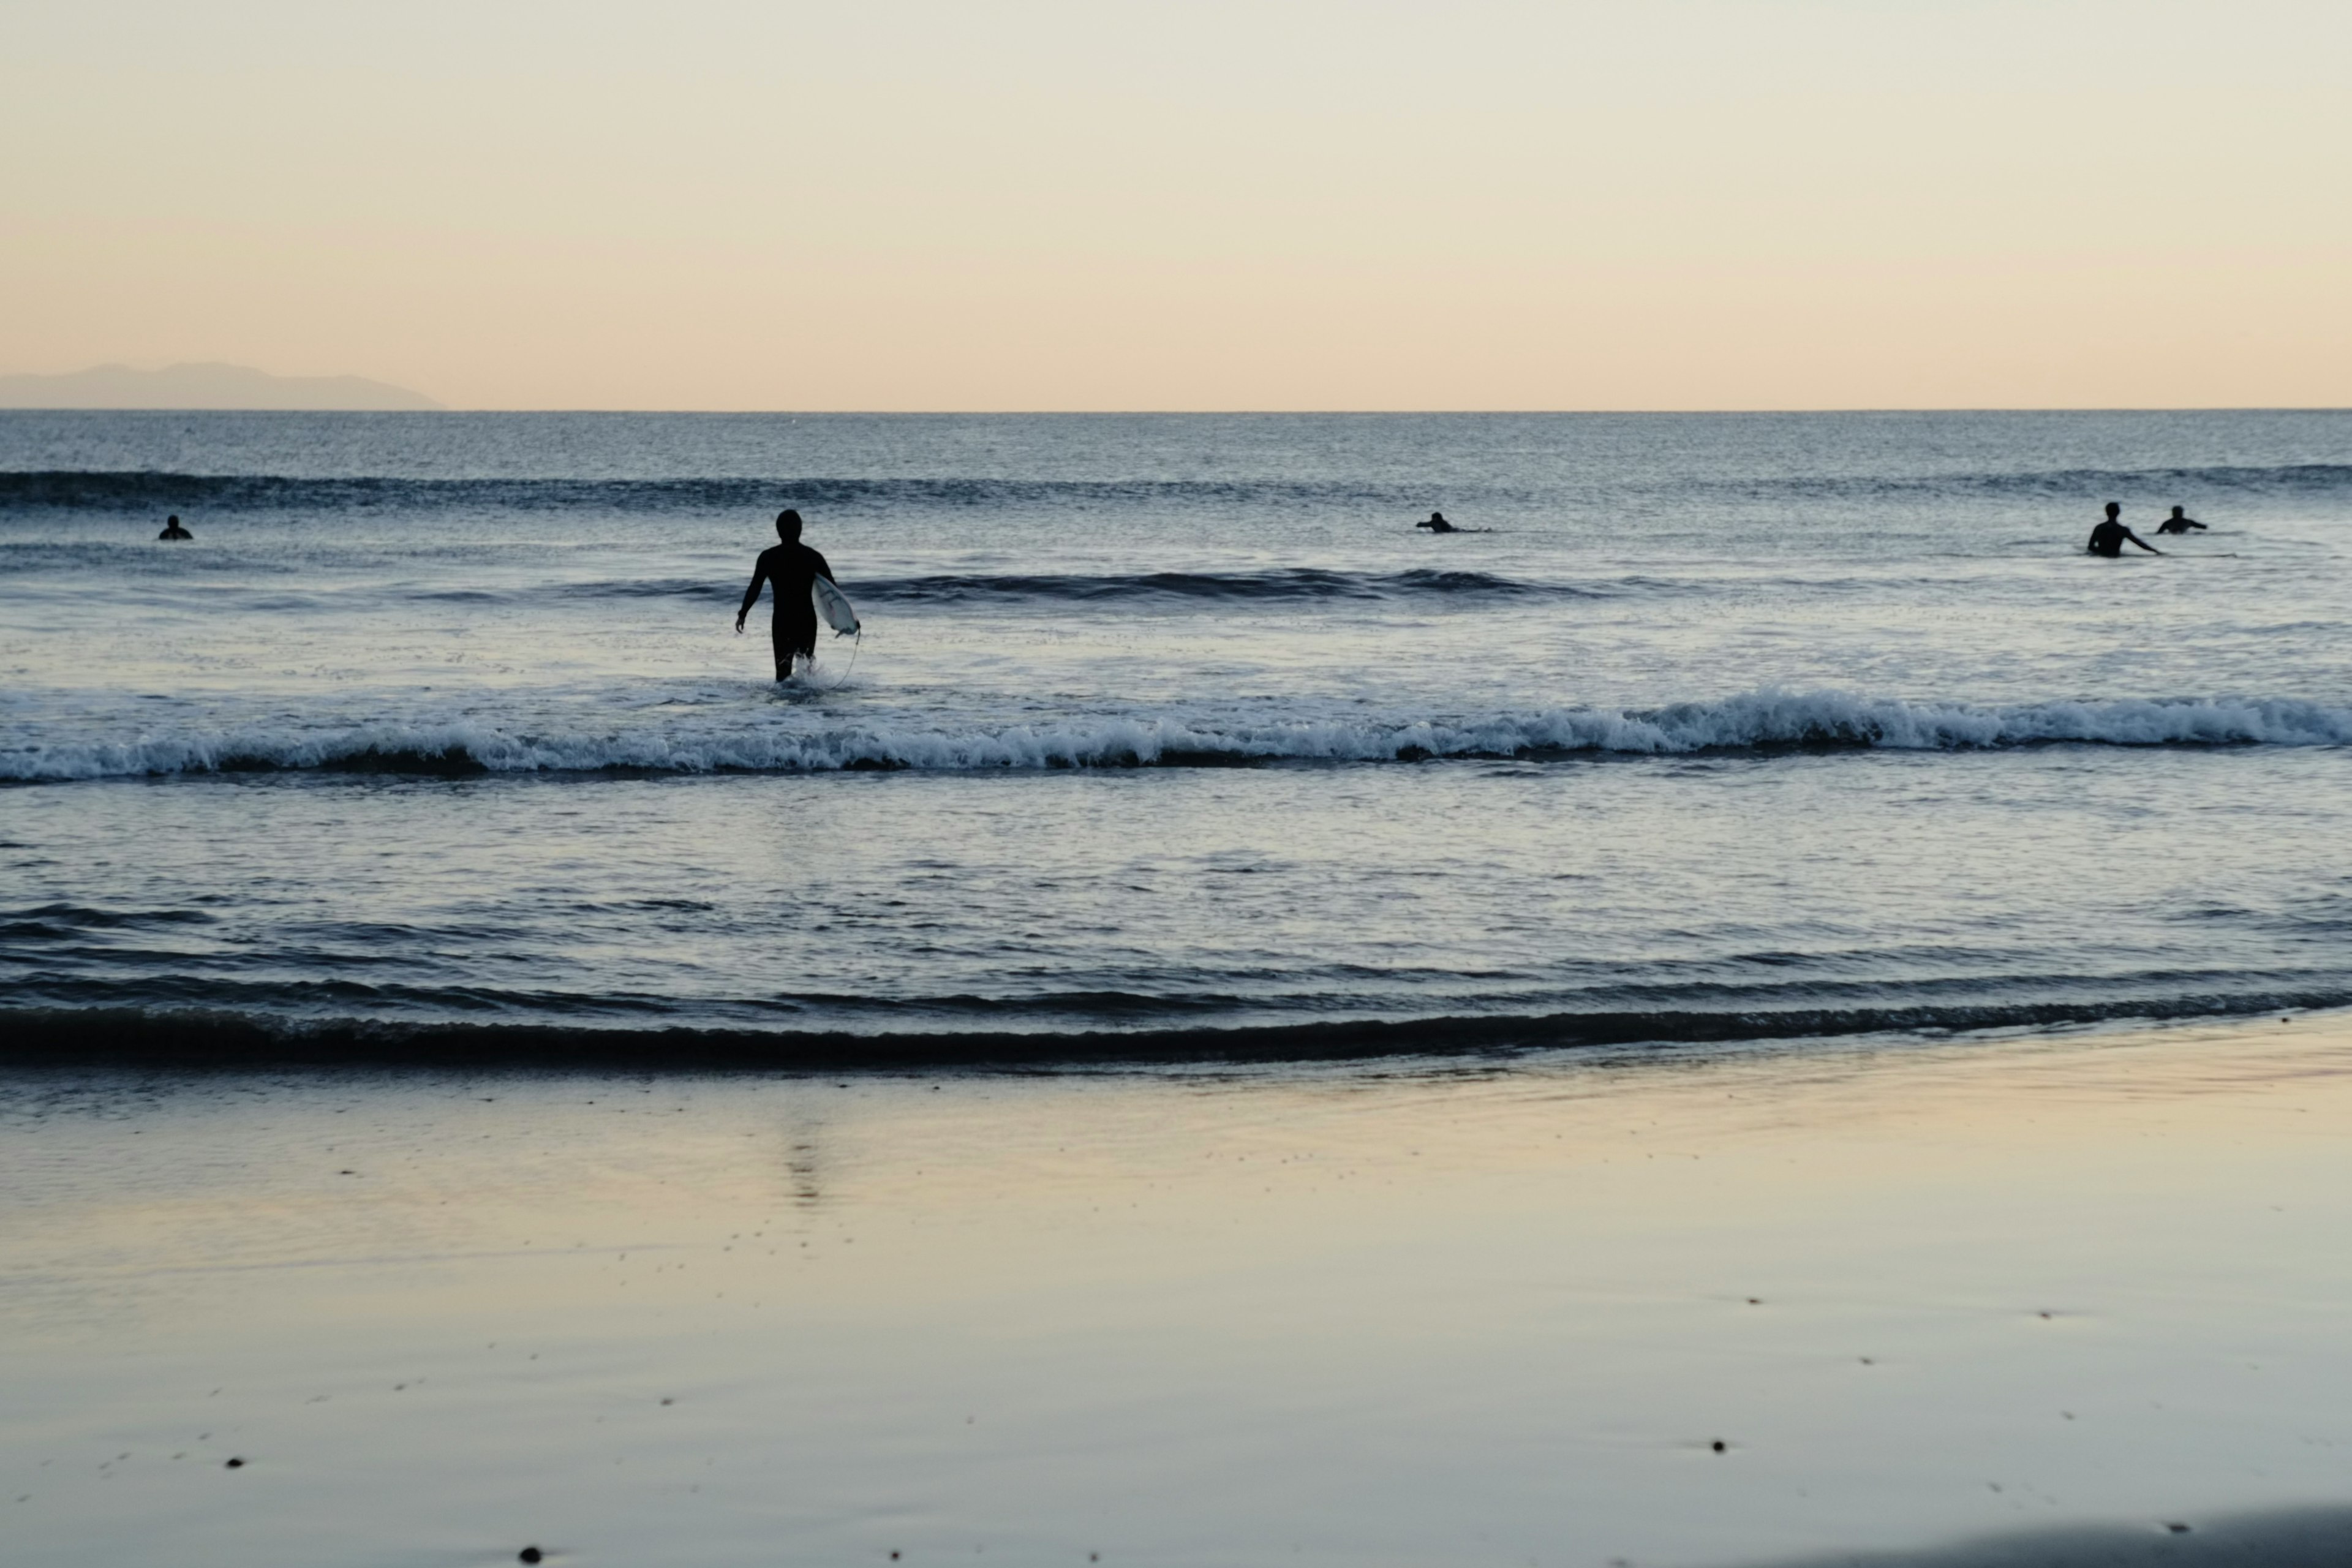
(1437,524)
(2177,524)
(792,567)
(2108,539)
(172,528)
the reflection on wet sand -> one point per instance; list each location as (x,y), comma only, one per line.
(1689,1308)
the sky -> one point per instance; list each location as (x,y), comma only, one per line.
(1113,204)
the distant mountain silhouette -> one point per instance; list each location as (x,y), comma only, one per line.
(210,385)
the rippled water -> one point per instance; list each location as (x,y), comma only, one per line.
(1716,725)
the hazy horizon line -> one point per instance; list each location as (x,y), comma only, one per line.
(1214,413)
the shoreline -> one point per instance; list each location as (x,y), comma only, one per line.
(199,1041)
(2319,1536)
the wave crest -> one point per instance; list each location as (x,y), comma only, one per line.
(1762,721)
(1297,583)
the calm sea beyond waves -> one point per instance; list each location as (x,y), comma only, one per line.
(1166,732)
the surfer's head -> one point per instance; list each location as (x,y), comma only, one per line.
(788,525)
(2115,511)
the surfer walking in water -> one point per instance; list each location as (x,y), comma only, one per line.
(2179,522)
(794,568)
(2108,539)
(1437,524)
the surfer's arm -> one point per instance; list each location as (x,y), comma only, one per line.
(823,570)
(2143,544)
(751,594)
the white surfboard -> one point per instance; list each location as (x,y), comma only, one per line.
(834,606)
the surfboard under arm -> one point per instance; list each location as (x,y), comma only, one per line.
(833,604)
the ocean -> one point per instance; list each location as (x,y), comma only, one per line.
(1166,735)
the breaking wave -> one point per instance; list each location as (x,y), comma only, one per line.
(1762,721)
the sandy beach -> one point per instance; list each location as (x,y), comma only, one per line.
(1668,1307)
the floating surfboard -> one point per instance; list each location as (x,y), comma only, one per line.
(834,606)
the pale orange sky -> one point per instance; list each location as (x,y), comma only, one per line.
(1289,203)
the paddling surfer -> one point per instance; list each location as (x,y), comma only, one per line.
(1437,524)
(2179,522)
(2108,539)
(792,567)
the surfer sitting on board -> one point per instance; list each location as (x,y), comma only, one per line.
(792,567)
(1437,524)
(2108,539)
(2178,523)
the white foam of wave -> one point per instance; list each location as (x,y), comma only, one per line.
(1752,721)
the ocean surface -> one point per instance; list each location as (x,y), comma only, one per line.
(1709,727)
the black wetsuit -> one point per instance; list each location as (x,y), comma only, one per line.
(176,531)
(2178,525)
(791,567)
(2108,540)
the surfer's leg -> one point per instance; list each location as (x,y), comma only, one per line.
(793,635)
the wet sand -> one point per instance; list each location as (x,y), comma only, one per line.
(2034,1299)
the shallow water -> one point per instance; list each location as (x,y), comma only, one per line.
(1182,724)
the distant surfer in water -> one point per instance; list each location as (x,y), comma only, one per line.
(2178,523)
(2108,539)
(1437,524)
(792,567)
(172,528)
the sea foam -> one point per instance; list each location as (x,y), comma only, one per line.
(1762,720)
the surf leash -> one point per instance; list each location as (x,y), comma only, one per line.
(855,648)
